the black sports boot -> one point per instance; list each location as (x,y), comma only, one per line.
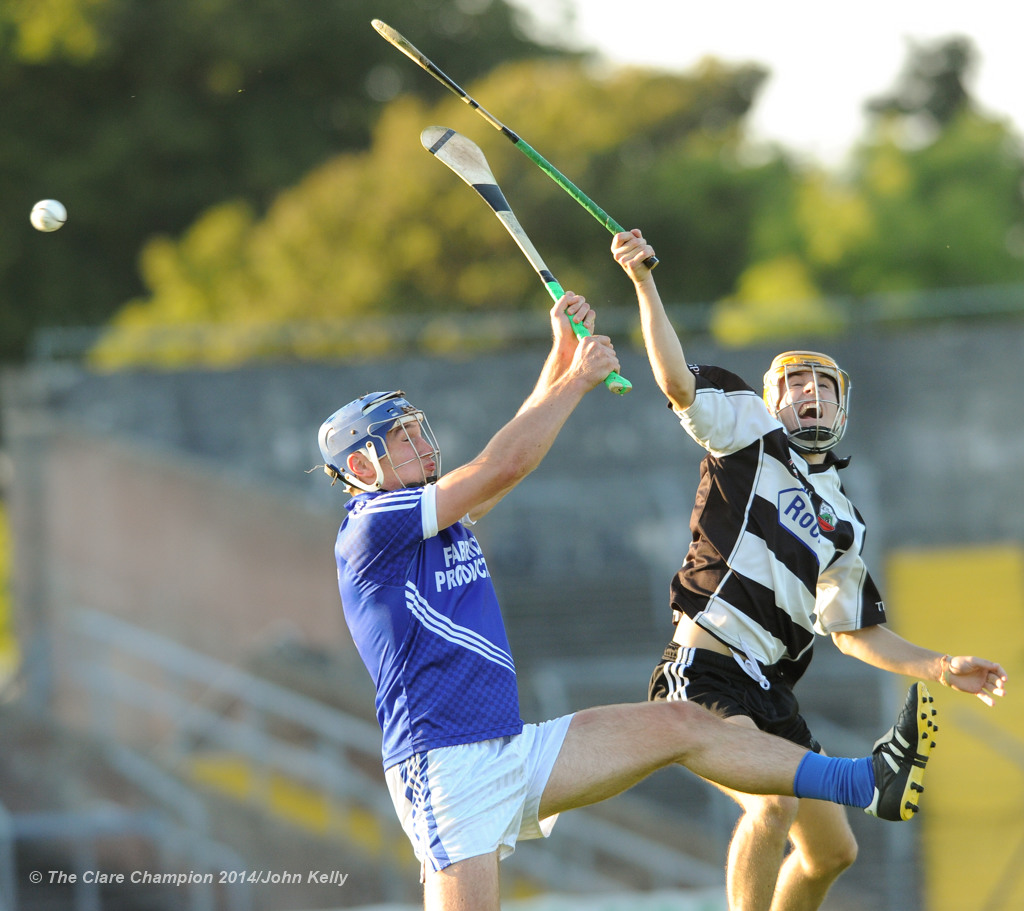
(900,755)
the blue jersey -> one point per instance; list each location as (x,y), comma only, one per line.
(424,616)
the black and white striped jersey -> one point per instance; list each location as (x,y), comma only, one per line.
(776,548)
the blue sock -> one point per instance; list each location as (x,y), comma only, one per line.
(847,781)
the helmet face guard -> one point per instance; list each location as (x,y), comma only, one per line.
(818,437)
(362,426)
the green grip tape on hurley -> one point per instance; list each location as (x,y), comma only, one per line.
(614,381)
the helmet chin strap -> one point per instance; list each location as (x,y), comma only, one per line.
(371,455)
(807,439)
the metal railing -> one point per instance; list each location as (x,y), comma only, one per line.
(278,730)
(163,670)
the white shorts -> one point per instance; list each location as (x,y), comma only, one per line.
(463,801)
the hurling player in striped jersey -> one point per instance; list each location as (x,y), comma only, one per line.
(775,558)
(468,778)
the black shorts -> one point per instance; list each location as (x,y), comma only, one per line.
(718,683)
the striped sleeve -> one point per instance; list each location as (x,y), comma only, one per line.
(726,414)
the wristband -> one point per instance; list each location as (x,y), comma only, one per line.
(946,663)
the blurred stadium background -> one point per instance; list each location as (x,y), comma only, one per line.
(179,693)
(187,693)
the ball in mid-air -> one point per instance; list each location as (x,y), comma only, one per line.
(48,215)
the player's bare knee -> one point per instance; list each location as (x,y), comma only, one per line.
(686,714)
(690,725)
(846,854)
(831,858)
(773,811)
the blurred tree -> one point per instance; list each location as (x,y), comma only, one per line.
(391,231)
(948,215)
(943,181)
(933,199)
(932,84)
(775,298)
(141,114)
(233,143)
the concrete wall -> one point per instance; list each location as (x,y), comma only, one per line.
(182,500)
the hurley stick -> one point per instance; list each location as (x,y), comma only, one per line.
(465,158)
(406,47)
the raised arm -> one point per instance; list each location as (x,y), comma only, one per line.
(570,307)
(664,350)
(569,373)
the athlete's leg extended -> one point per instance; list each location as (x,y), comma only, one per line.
(605,751)
(611,748)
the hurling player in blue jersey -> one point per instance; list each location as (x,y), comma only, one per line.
(467,776)
(776,557)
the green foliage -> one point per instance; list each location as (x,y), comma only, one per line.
(931,86)
(934,200)
(44,30)
(391,231)
(254,166)
(943,215)
(775,298)
(139,115)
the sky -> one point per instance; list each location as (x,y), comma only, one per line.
(826,57)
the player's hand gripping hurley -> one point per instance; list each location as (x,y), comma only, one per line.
(465,158)
(407,48)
